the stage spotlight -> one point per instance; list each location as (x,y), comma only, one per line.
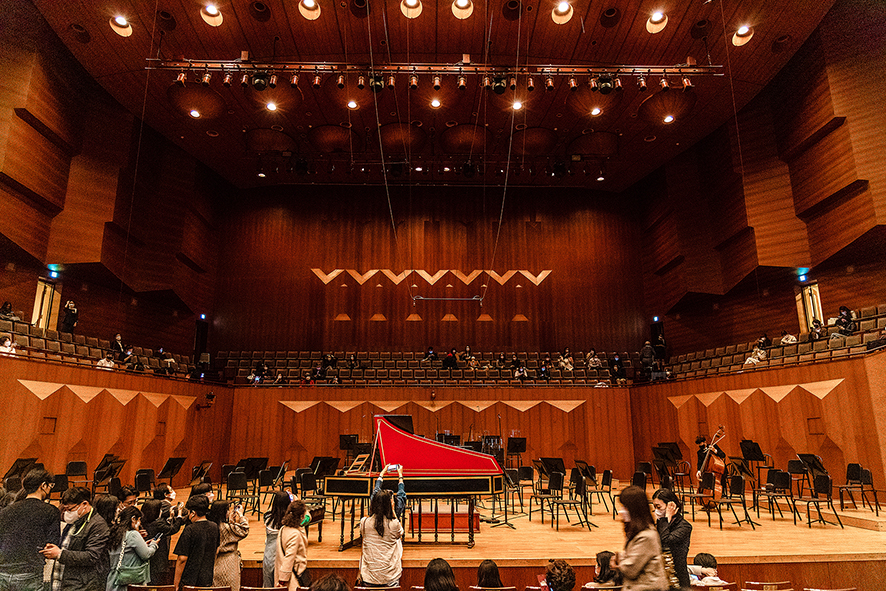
(513,83)
(462,82)
(316,81)
(549,83)
(641,84)
(206,79)
(181,79)
(530,84)
(272,81)
(436,82)
(595,86)
(260,81)
(617,84)
(376,83)
(413,80)
(499,85)
(411,8)
(226,81)
(462,9)
(573,83)
(340,81)
(391,81)
(293,80)
(487,82)
(664,84)
(605,84)
(687,83)
(361,82)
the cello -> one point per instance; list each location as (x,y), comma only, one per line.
(715,464)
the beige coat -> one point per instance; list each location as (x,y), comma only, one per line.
(641,565)
(292,555)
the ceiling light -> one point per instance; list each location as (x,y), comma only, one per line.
(418,169)
(316,81)
(687,83)
(601,176)
(207,78)
(413,79)
(261,174)
(309,9)
(668,119)
(272,106)
(352,104)
(499,85)
(121,26)
(549,83)
(435,103)
(293,80)
(530,84)
(487,82)
(181,79)
(562,13)
(445,169)
(641,84)
(211,15)
(436,82)
(573,83)
(361,82)
(617,84)
(462,9)
(272,81)
(391,81)
(742,35)
(226,81)
(518,105)
(340,81)
(595,86)
(194,113)
(513,83)
(244,80)
(596,111)
(605,84)
(657,22)
(410,8)
(664,84)
(462,83)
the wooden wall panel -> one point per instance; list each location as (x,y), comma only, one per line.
(35,165)
(273,301)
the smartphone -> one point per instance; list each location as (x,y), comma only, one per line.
(157,537)
(393,467)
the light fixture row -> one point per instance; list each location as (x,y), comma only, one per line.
(468,168)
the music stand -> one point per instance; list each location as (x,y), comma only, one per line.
(554,465)
(20,468)
(199,473)
(103,478)
(491,442)
(516,446)
(814,465)
(674,448)
(171,469)
(741,467)
(750,451)
(346,444)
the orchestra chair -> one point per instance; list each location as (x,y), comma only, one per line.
(646,468)
(524,479)
(733,498)
(857,479)
(238,488)
(691,498)
(77,474)
(603,490)
(639,480)
(781,487)
(821,492)
(758,586)
(799,474)
(542,495)
(723,587)
(144,482)
(577,502)
(153,588)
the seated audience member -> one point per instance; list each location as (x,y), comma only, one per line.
(559,576)
(352,362)
(439,576)
(647,356)
(291,563)
(617,369)
(430,355)
(660,347)
(565,361)
(6,312)
(126,540)
(487,575)
(451,360)
(318,373)
(520,373)
(332,582)
(164,524)
(307,379)
(765,341)
(604,574)
(472,363)
(845,324)
(129,359)
(81,560)
(26,526)
(261,369)
(757,355)
(7,347)
(592,359)
(817,330)
(703,570)
(106,363)
(330,360)
(544,372)
(515,361)
(118,348)
(466,354)
(787,339)
(501,361)
(197,546)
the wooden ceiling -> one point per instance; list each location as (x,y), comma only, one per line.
(314,138)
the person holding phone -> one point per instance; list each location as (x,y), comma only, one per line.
(381,561)
(675,532)
(160,526)
(232,527)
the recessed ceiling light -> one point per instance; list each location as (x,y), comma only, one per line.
(418,168)
(352,104)
(435,103)
(518,105)
(272,106)
(446,169)
(562,12)
(742,35)
(657,22)
(194,113)
(121,20)
(211,15)
(668,119)
(596,111)
(309,9)
(462,9)
(121,26)
(411,8)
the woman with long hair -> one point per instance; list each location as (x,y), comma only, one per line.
(273,523)
(128,549)
(232,527)
(604,574)
(163,526)
(291,564)
(107,506)
(439,576)
(381,561)
(640,562)
(673,530)
(487,575)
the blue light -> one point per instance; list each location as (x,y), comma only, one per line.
(802,278)
(655,318)
(53,275)
(202,316)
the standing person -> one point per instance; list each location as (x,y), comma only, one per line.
(439,576)
(291,564)
(381,561)
(647,357)
(673,531)
(129,550)
(273,523)
(163,525)
(640,562)
(660,347)
(118,348)
(196,546)
(232,527)
(107,506)
(81,560)
(72,315)
(26,526)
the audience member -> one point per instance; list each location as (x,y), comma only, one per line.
(128,496)
(544,372)
(291,563)
(439,576)
(72,315)
(703,570)
(107,506)
(501,361)
(129,552)
(166,495)
(106,363)
(161,526)
(260,371)
(515,361)
(451,360)
(817,330)
(647,357)
(203,488)
(757,355)
(604,574)
(26,526)
(640,562)
(232,527)
(118,348)
(330,360)
(466,354)
(787,339)
(559,575)
(6,499)
(673,530)
(7,347)
(196,546)
(6,312)
(352,362)
(660,348)
(565,361)
(617,370)
(593,360)
(520,373)
(381,561)
(81,560)
(765,341)
(430,355)
(273,522)
(472,363)
(331,582)
(844,323)
(488,576)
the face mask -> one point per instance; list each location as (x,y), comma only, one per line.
(210,496)
(659,513)
(172,495)
(71,517)
(625,516)
(306,519)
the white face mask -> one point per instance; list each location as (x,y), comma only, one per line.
(625,516)
(71,517)
(659,513)
(210,496)
(172,495)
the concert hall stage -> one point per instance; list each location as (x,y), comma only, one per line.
(820,557)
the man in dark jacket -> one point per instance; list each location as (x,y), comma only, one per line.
(81,563)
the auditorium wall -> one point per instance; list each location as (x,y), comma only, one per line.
(322,268)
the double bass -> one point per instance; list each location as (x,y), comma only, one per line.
(715,464)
